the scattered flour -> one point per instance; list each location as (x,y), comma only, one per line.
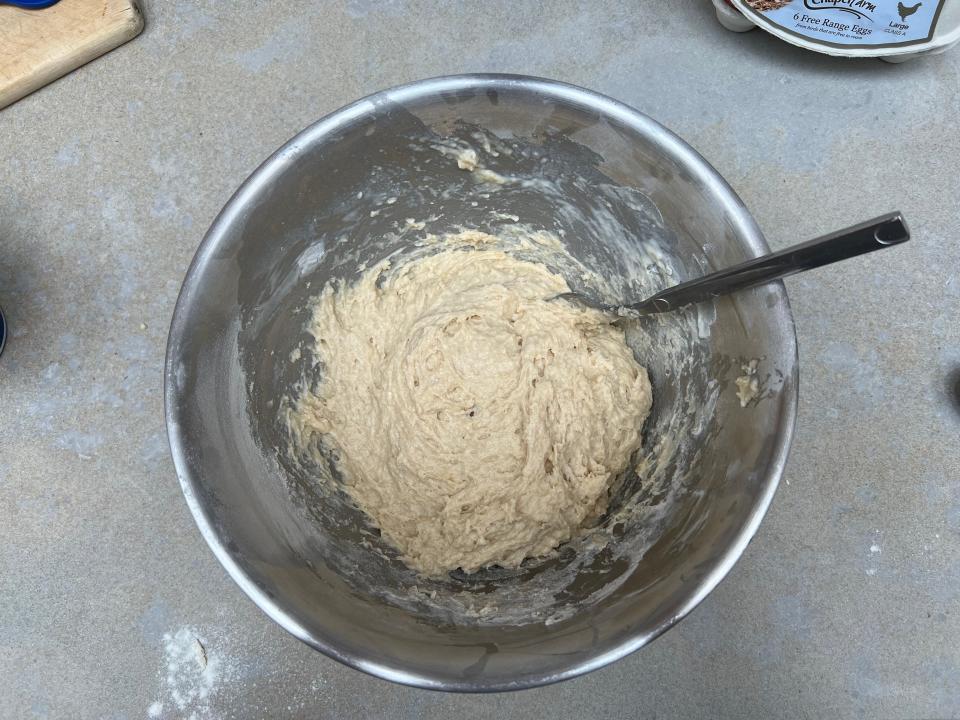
(873,562)
(193,670)
(203,676)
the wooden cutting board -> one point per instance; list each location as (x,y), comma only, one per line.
(39,46)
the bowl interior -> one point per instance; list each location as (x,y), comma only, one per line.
(632,204)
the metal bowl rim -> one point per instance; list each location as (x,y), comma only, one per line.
(320,131)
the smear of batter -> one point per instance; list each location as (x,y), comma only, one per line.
(475,421)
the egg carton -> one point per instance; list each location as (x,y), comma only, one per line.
(891,30)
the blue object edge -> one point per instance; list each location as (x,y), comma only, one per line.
(30,4)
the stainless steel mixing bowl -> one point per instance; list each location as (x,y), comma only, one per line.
(307,557)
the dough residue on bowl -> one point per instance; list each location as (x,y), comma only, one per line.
(475,420)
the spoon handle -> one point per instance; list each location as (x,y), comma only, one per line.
(875,234)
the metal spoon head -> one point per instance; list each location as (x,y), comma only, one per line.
(585,300)
(621,312)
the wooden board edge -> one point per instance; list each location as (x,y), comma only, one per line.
(93,47)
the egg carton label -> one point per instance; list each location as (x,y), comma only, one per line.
(852,23)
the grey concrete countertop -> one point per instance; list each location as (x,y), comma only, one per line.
(847,604)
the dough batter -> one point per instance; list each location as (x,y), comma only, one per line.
(474,421)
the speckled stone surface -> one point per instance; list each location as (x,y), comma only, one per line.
(847,604)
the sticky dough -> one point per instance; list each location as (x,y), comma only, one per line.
(474,420)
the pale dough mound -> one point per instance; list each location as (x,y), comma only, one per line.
(475,421)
